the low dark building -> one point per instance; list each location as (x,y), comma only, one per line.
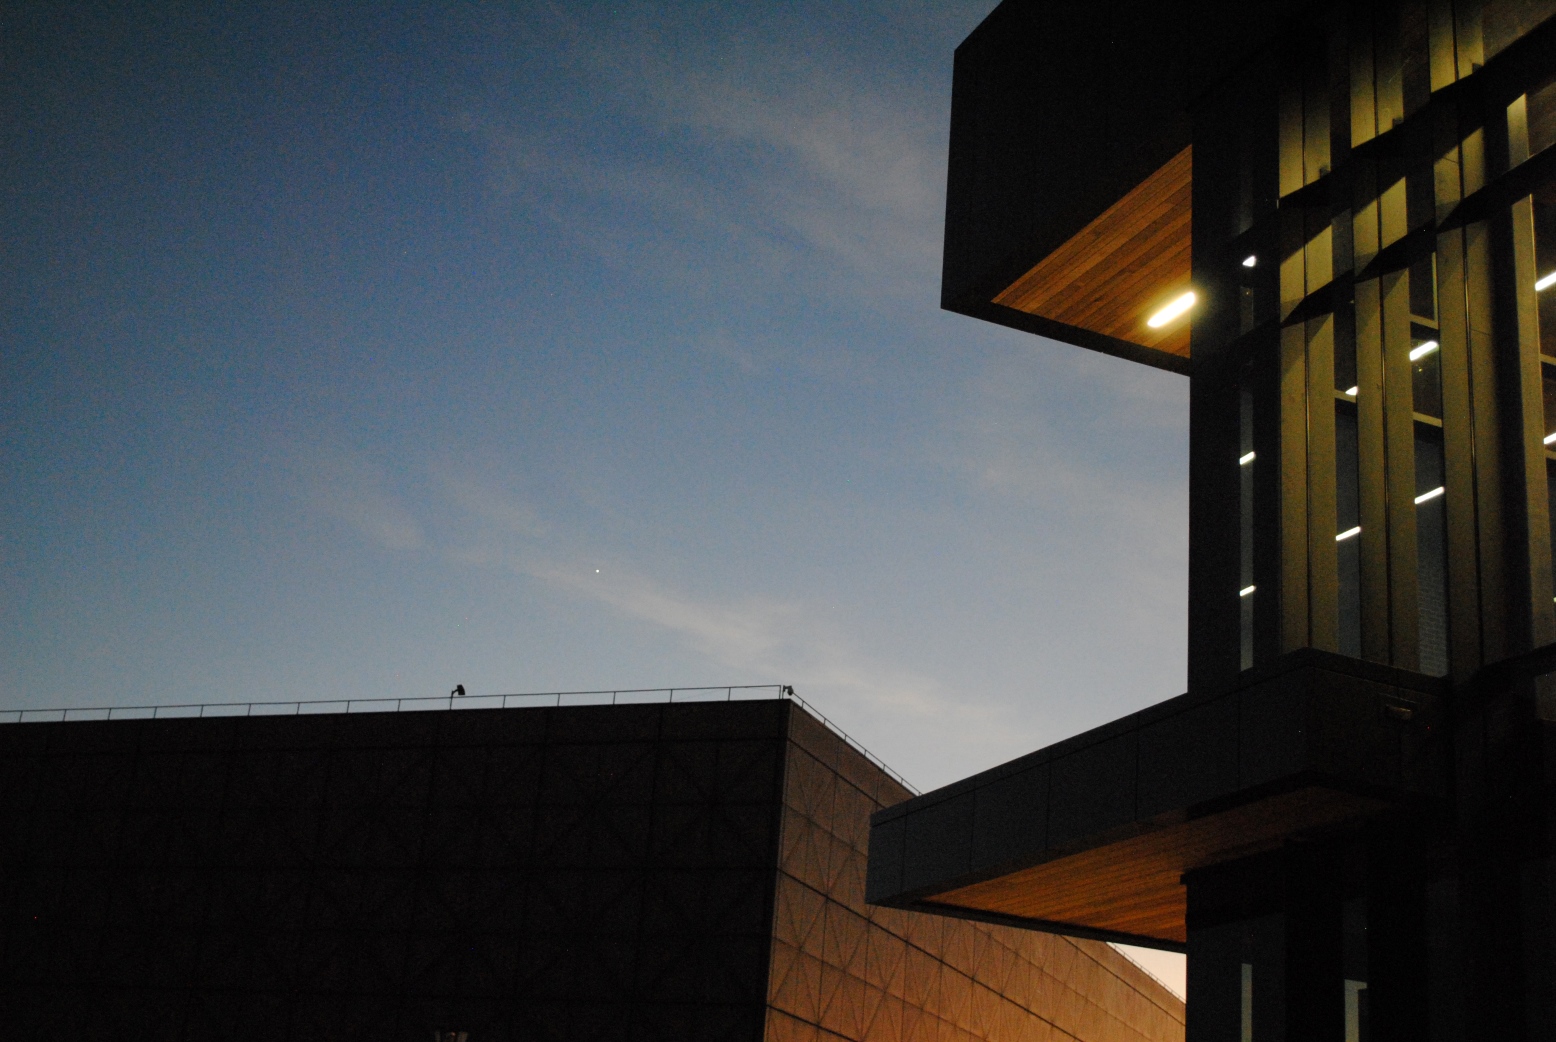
(664,871)
(1338,220)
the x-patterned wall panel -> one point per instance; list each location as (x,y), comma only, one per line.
(577,873)
(844,970)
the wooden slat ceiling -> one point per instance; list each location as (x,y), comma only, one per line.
(1134,886)
(1114,273)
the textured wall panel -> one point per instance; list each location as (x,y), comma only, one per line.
(842,969)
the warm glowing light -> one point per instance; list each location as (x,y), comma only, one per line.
(1348,533)
(1545,283)
(1250,260)
(1171,311)
(1423,350)
(1245,591)
(1351,392)
(1247,457)
(1423,497)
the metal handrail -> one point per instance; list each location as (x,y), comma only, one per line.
(439,702)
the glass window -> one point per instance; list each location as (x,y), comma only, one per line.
(1245,463)
(1545,302)
(1354,958)
(1426,378)
(1425,355)
(1426,389)
(1432,549)
(1348,516)
(1541,110)
(1347,488)
(1548,385)
(1545,267)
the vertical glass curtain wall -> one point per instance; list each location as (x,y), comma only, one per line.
(1246,460)
(1348,520)
(1542,132)
(1392,362)
(1426,393)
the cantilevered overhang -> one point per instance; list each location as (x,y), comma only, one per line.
(1069,188)
(1092,836)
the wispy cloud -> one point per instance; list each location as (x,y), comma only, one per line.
(902,711)
(754,636)
(804,168)
(351,489)
(492,506)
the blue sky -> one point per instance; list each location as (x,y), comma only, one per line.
(360,352)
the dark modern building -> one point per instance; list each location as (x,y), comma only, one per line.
(687,871)
(1338,221)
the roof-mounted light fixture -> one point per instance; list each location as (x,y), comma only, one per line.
(1172,311)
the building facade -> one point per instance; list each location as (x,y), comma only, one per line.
(688,871)
(1338,220)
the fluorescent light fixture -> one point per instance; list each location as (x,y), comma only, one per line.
(1351,392)
(1423,350)
(1343,536)
(1171,311)
(1250,260)
(1433,494)
(1550,438)
(1545,283)
(1245,591)
(1247,457)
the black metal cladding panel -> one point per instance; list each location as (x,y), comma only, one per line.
(1012,816)
(938,841)
(1272,730)
(348,876)
(1188,758)
(759,718)
(883,876)
(1091,790)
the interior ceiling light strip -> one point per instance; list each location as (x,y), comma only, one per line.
(1247,457)
(1545,283)
(1423,350)
(1348,533)
(1433,494)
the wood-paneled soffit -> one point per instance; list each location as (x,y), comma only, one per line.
(1134,886)
(1119,270)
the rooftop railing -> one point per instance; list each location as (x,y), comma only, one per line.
(624,696)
